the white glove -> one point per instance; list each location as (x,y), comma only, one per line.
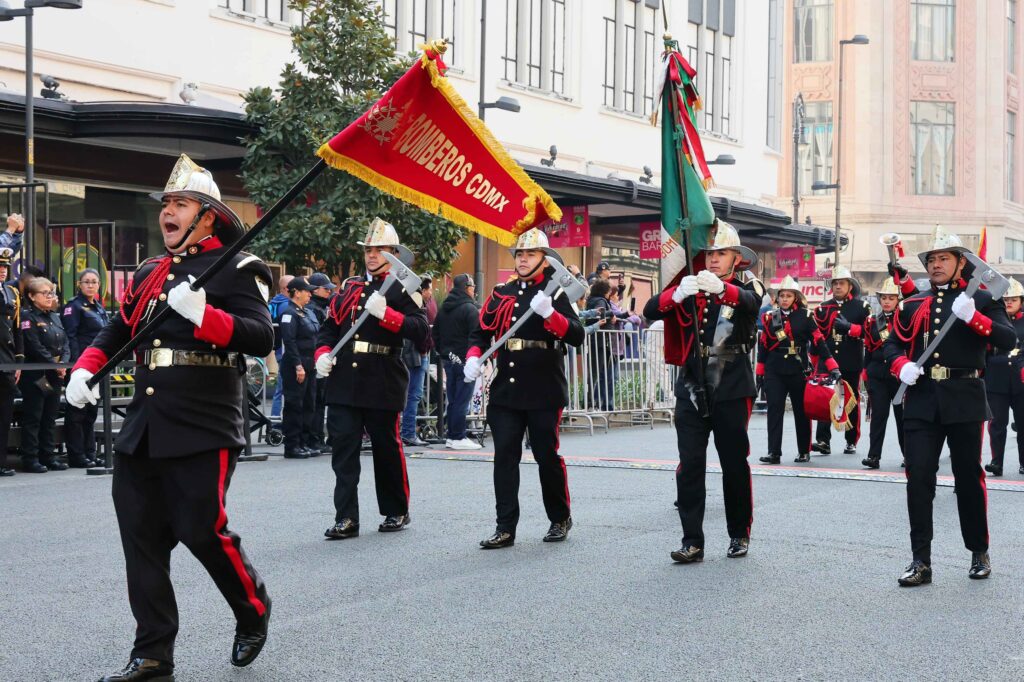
(324,365)
(909,373)
(376,305)
(471,370)
(687,287)
(189,304)
(709,282)
(541,304)
(78,393)
(963,307)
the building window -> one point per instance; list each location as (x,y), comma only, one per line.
(630,55)
(932,128)
(390,8)
(449,12)
(1014,250)
(773,136)
(816,155)
(933,31)
(412,23)
(812,34)
(271,10)
(535,36)
(1011,156)
(711,27)
(1011,36)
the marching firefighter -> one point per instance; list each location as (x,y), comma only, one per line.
(945,401)
(841,321)
(529,390)
(790,334)
(367,383)
(710,321)
(183,431)
(1004,385)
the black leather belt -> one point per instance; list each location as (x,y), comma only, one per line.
(940,373)
(515,344)
(375,348)
(724,351)
(168,357)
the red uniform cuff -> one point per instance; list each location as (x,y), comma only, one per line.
(981,324)
(91,360)
(557,324)
(731,295)
(907,286)
(474,352)
(217,327)
(817,336)
(831,364)
(320,351)
(760,369)
(392,320)
(665,302)
(855,331)
(897,365)
(1022,374)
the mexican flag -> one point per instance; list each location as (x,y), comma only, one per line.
(686,213)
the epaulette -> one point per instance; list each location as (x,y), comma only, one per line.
(247,258)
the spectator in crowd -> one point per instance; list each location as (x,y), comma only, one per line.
(323,289)
(277,305)
(11,351)
(417,360)
(299,328)
(622,320)
(11,237)
(45,341)
(27,274)
(600,365)
(602,271)
(83,318)
(457,319)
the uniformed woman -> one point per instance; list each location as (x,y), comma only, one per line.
(83,318)
(299,328)
(46,342)
(789,334)
(882,385)
(1004,386)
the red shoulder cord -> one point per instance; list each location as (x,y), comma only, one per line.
(831,313)
(909,333)
(148,290)
(496,315)
(871,342)
(775,342)
(344,303)
(685,321)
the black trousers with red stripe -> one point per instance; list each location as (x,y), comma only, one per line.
(161,502)
(1001,404)
(776,387)
(509,426)
(345,427)
(728,422)
(924,441)
(823,432)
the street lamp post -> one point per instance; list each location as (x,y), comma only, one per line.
(8,14)
(858,39)
(798,140)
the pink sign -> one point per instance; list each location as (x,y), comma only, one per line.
(650,240)
(572,230)
(797,261)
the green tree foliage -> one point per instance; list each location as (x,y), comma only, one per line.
(346,61)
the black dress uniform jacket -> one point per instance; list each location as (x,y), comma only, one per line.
(1004,365)
(876,332)
(847,347)
(531,378)
(371,380)
(787,339)
(954,400)
(83,320)
(45,341)
(186,410)
(11,344)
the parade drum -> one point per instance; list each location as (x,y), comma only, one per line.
(821,400)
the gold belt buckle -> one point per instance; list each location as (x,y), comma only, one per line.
(161,357)
(514,344)
(791,351)
(360,347)
(939,373)
(1014,353)
(884,334)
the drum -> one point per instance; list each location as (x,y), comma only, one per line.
(820,400)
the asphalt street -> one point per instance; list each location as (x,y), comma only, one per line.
(815,599)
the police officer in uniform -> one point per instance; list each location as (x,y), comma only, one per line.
(790,334)
(727,305)
(945,401)
(367,384)
(323,289)
(83,318)
(529,389)
(45,342)
(11,351)
(841,321)
(299,328)
(1004,385)
(183,430)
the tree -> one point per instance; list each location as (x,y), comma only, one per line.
(346,61)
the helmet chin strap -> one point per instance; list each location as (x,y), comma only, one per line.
(531,273)
(203,209)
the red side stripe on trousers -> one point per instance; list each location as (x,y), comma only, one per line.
(750,521)
(229,547)
(565,473)
(984,486)
(401,456)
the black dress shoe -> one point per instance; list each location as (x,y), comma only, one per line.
(850,450)
(903,464)
(559,531)
(312,450)
(80,463)
(34,468)
(414,442)
(688,554)
(803,457)
(501,538)
(771,459)
(249,643)
(871,462)
(54,465)
(917,573)
(393,524)
(1021,469)
(297,453)
(738,547)
(139,669)
(994,469)
(346,528)
(822,447)
(981,566)
(6,472)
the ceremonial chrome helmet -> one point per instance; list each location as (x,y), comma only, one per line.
(843,272)
(790,284)
(943,241)
(383,233)
(534,239)
(188,179)
(724,236)
(1016,289)
(889,288)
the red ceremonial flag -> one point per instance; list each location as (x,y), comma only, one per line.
(983,244)
(421,143)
